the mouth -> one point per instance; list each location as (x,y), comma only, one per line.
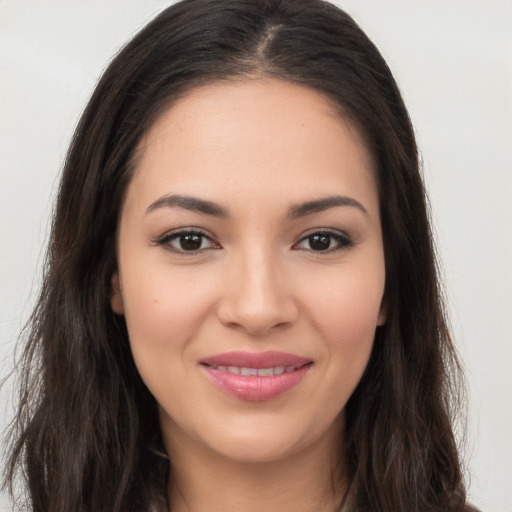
(256,376)
(260,372)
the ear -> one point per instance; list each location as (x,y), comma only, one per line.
(116,298)
(383,313)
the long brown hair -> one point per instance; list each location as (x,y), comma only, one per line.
(86,436)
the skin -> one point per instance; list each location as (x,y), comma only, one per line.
(256,148)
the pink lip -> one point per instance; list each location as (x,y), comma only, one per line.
(255,388)
(256,359)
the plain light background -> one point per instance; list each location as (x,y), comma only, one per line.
(453,62)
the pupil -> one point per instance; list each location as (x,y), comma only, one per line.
(190,242)
(319,242)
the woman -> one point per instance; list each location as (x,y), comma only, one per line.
(241,307)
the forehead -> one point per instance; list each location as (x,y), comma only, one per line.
(259,135)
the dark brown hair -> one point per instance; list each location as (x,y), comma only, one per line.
(86,436)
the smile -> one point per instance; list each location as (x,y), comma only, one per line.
(260,372)
(255,376)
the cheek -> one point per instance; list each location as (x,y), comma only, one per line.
(163,312)
(346,315)
(347,305)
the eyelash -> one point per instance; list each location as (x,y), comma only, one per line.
(342,240)
(167,238)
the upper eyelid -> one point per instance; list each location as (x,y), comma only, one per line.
(185,230)
(330,231)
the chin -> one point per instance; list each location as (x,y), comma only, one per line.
(267,440)
(255,450)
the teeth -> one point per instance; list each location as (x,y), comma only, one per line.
(248,371)
(260,372)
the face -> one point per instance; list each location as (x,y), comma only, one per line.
(251,269)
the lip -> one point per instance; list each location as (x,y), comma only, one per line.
(256,359)
(255,387)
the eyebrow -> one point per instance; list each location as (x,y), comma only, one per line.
(320,205)
(188,203)
(296,211)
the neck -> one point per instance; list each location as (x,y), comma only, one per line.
(202,481)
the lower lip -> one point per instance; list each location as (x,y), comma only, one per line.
(255,388)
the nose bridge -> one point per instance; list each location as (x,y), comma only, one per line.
(257,297)
(259,270)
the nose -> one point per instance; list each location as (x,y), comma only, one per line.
(257,297)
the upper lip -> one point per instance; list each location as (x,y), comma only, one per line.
(267,359)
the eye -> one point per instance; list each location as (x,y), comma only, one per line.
(189,241)
(324,241)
